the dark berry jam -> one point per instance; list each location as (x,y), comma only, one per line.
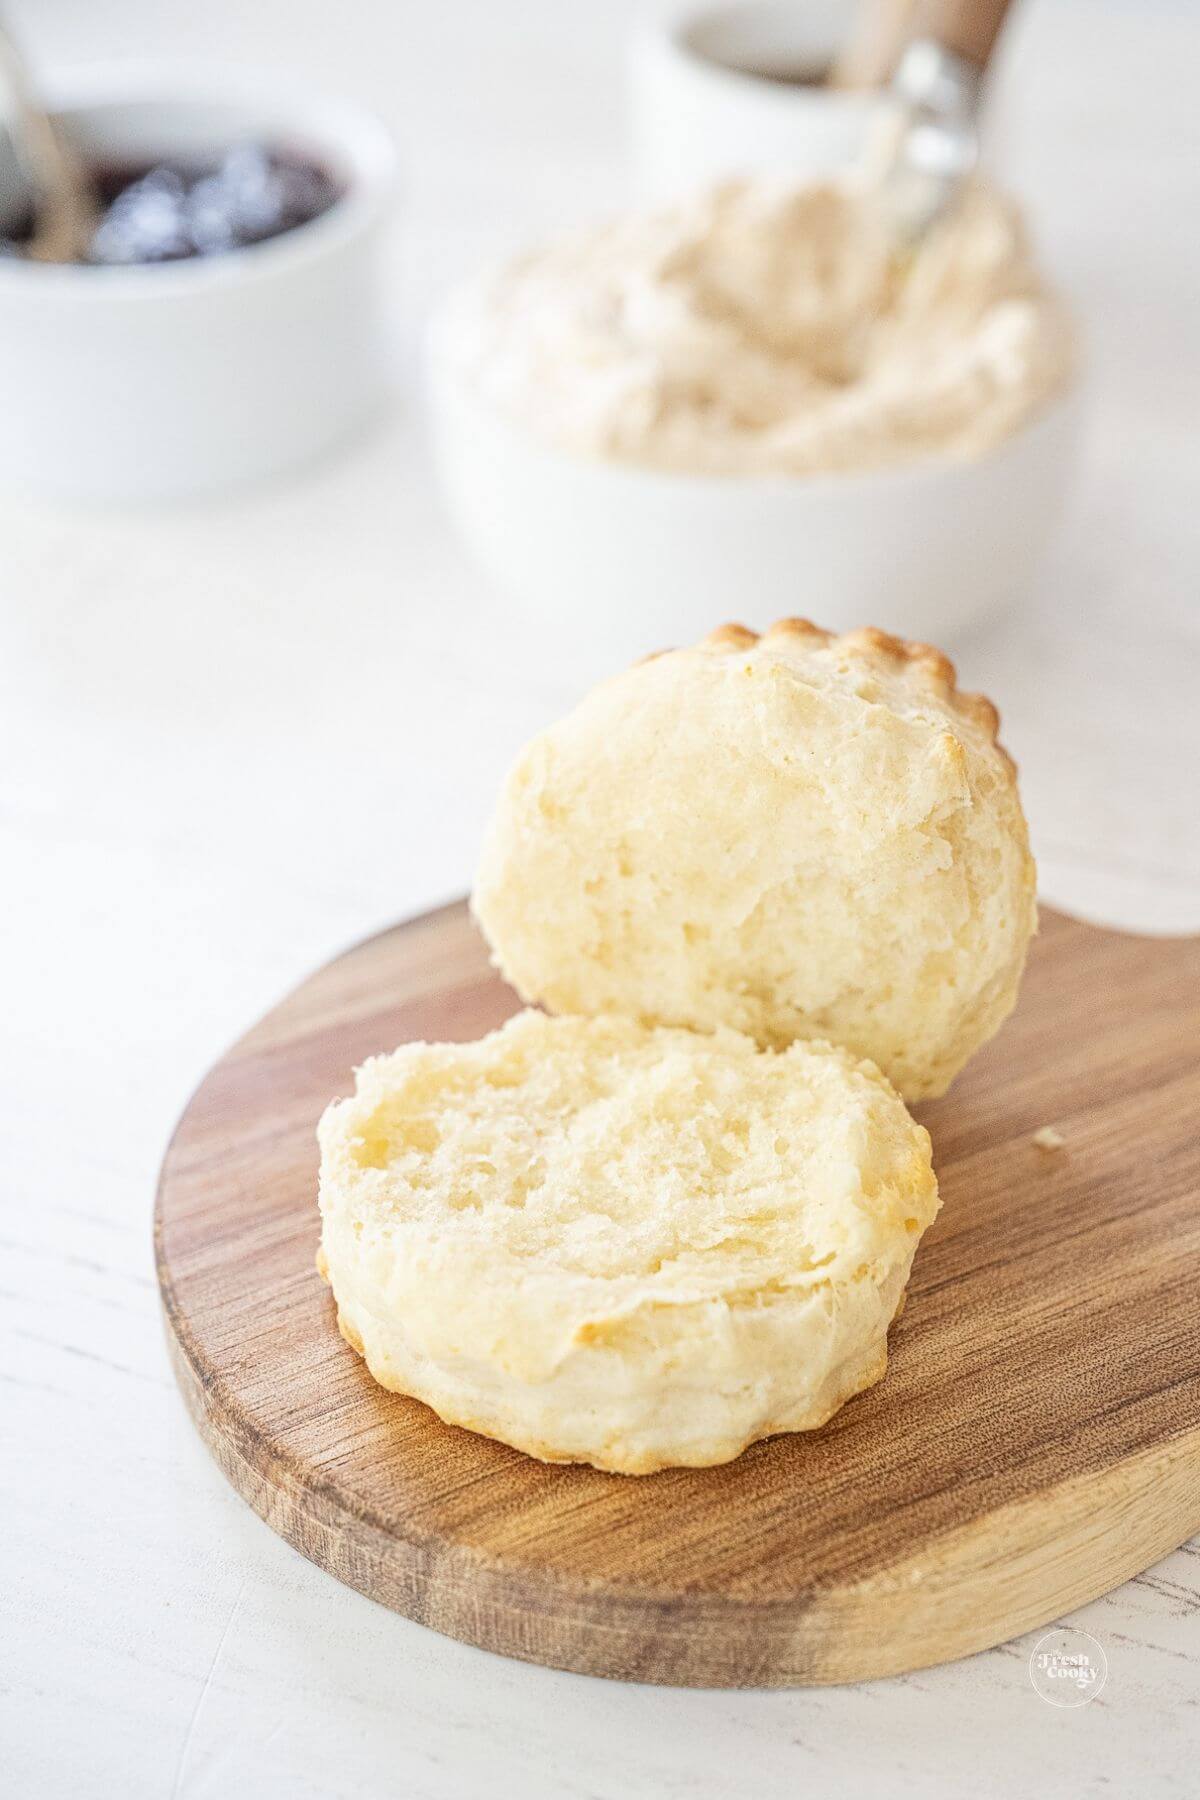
(176,209)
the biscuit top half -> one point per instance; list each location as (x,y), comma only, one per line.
(796,834)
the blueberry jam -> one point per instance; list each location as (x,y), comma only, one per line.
(175,209)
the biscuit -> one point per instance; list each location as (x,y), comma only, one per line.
(629,1246)
(797,836)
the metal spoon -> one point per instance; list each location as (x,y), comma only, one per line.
(63,204)
(926,148)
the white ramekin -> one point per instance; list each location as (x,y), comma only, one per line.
(703,105)
(615,560)
(143,383)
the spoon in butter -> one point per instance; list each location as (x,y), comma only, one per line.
(925,148)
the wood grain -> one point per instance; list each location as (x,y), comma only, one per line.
(1036,1441)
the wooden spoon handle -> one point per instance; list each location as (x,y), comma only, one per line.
(883,28)
(967,27)
(869,55)
(64,206)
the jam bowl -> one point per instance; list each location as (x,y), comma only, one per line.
(226,321)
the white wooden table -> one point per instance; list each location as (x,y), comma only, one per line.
(235,738)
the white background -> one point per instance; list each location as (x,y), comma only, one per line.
(234,738)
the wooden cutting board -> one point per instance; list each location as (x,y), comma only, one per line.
(1036,1441)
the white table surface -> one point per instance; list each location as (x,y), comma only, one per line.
(234,738)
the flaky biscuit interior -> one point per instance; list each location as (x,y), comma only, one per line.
(627,1246)
(796,836)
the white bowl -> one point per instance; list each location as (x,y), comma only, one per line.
(617,560)
(707,98)
(144,382)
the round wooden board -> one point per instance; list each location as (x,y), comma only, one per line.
(1036,1441)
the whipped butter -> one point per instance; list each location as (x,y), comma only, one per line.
(762,329)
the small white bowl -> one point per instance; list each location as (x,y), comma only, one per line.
(146,382)
(617,560)
(714,92)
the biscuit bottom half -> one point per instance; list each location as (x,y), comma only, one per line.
(628,1246)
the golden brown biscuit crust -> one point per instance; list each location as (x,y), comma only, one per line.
(930,667)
